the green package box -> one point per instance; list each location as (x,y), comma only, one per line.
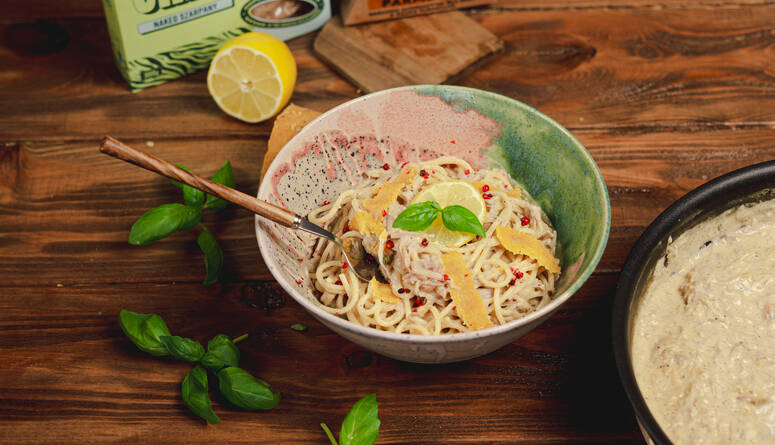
(158,40)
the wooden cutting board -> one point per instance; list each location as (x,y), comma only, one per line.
(428,49)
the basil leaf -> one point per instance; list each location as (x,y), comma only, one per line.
(460,219)
(417,217)
(193,216)
(160,222)
(194,392)
(298,327)
(213,256)
(224,176)
(361,426)
(191,196)
(145,331)
(183,348)
(245,391)
(221,351)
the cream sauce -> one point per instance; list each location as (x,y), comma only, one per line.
(703,343)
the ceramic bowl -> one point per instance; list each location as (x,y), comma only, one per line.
(749,184)
(420,123)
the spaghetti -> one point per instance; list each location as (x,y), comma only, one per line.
(511,283)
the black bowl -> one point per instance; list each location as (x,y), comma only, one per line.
(750,184)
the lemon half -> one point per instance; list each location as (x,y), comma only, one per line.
(252,76)
(449,193)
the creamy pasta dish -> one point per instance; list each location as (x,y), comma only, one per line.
(703,346)
(460,250)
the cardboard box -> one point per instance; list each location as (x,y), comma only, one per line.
(362,11)
(158,40)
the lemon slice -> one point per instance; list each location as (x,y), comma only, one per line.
(252,76)
(449,193)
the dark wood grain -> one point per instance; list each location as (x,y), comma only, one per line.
(664,97)
(94,377)
(553,60)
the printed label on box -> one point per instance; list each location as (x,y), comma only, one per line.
(158,40)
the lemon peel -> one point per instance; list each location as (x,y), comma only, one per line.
(366,224)
(383,291)
(521,243)
(468,302)
(388,192)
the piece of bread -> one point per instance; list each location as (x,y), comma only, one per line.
(292,119)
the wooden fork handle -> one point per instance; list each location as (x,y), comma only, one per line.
(126,153)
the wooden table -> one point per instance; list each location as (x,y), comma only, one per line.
(664,97)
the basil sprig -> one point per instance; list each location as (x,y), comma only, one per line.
(245,391)
(191,196)
(360,426)
(224,176)
(162,221)
(183,348)
(166,219)
(213,255)
(460,219)
(194,392)
(145,331)
(221,352)
(150,334)
(418,217)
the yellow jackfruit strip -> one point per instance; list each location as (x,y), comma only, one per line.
(383,291)
(468,302)
(515,192)
(366,224)
(522,243)
(388,192)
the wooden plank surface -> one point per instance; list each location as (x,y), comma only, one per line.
(541,386)
(663,97)
(427,49)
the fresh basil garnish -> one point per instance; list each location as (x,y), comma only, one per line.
(360,426)
(150,334)
(298,327)
(221,352)
(160,222)
(460,219)
(245,391)
(193,217)
(145,331)
(213,255)
(417,217)
(224,176)
(191,196)
(168,218)
(183,348)
(194,391)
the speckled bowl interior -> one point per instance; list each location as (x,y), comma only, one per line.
(419,123)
